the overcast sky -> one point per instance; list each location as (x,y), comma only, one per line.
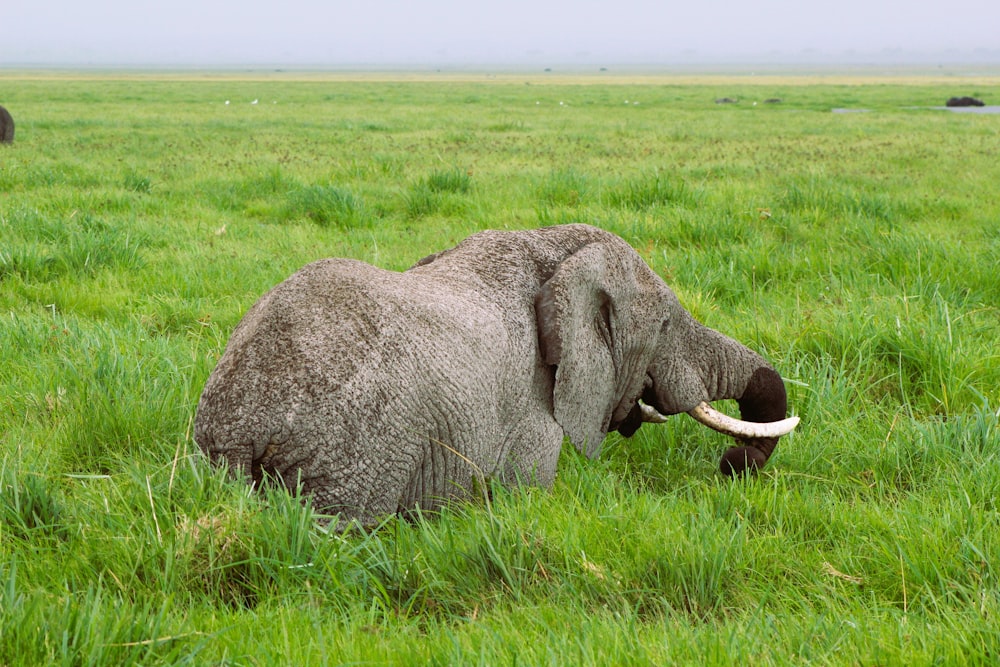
(467,32)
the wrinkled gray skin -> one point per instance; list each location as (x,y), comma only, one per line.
(383,391)
(6,127)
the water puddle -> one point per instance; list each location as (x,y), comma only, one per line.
(989,109)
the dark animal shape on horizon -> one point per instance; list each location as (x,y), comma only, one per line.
(726,100)
(382,392)
(964,102)
(6,127)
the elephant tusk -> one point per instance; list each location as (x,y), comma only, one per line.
(738,428)
(650,415)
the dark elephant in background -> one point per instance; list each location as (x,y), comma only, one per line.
(381,391)
(964,102)
(6,127)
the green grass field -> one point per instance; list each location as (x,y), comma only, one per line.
(140,216)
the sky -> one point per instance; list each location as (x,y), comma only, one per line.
(342,33)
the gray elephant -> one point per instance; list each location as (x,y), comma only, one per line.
(6,127)
(380,392)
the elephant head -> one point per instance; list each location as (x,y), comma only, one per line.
(617,335)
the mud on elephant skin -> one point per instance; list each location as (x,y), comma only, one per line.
(380,391)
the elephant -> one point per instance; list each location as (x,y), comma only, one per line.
(6,127)
(380,392)
(964,102)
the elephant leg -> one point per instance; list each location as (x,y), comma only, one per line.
(533,457)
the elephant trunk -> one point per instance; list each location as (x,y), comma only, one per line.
(697,365)
(731,370)
(763,401)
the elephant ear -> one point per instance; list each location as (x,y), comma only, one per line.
(575,334)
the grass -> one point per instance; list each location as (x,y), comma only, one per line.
(141,217)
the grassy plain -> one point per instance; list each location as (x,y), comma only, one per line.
(140,216)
